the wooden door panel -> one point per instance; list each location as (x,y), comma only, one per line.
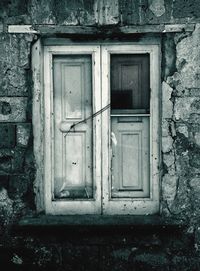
(130,154)
(73,146)
(130,158)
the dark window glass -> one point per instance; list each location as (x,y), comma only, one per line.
(130,86)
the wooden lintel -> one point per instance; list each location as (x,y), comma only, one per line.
(21,29)
(92,30)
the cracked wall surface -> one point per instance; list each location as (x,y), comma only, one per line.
(180,130)
(149,248)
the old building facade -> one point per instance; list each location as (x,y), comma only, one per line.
(152,224)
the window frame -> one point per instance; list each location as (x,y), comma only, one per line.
(42,123)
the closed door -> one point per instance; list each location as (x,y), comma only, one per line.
(73,177)
(130,140)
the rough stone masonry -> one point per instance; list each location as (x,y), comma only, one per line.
(171,245)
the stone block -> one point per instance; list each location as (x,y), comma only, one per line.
(194,92)
(6,207)
(167,144)
(129,11)
(18,19)
(12,160)
(169,159)
(182,202)
(18,160)
(4,181)
(23,134)
(195,184)
(7,135)
(168,55)
(174,80)
(167,105)
(188,50)
(169,187)
(155,11)
(42,12)
(13,109)
(183,129)
(108,12)
(5,161)
(157,7)
(14,79)
(194,157)
(18,186)
(197,138)
(14,8)
(165,127)
(185,9)
(183,108)
(14,64)
(66,12)
(194,119)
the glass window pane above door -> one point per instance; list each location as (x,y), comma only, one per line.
(130,82)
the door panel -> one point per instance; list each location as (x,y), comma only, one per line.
(130,158)
(73,146)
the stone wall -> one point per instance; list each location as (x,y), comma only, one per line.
(127,249)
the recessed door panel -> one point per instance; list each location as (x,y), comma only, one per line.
(73,136)
(130,158)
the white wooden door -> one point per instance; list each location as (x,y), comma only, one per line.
(72,159)
(128,150)
(130,92)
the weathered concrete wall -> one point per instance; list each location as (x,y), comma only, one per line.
(153,249)
(92,12)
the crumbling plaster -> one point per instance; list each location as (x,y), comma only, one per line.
(181,130)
